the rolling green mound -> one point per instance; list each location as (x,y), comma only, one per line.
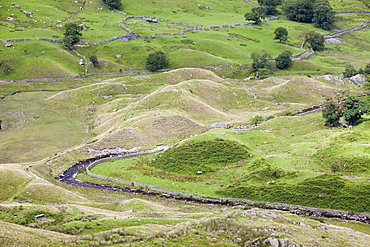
(324,191)
(203,157)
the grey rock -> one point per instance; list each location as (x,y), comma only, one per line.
(334,41)
(303,224)
(218,125)
(322,228)
(358,78)
(273,241)
(284,243)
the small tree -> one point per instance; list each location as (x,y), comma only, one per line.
(270,5)
(354,109)
(281,34)
(94,60)
(349,71)
(331,113)
(284,61)
(300,10)
(315,40)
(259,61)
(114,4)
(72,34)
(156,60)
(257,120)
(323,14)
(256,15)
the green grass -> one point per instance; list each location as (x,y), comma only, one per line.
(206,48)
(287,150)
(33,128)
(325,191)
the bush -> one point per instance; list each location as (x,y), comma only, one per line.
(115,4)
(156,60)
(283,61)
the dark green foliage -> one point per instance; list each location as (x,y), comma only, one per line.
(284,61)
(256,14)
(70,40)
(331,113)
(354,109)
(257,120)
(315,40)
(94,60)
(72,29)
(318,12)
(323,15)
(281,34)
(270,5)
(72,34)
(205,156)
(259,60)
(300,10)
(325,191)
(115,4)
(156,60)
(367,69)
(349,71)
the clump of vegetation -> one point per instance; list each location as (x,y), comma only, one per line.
(71,35)
(114,4)
(204,156)
(270,5)
(281,34)
(315,40)
(256,15)
(325,191)
(352,109)
(156,60)
(318,12)
(284,61)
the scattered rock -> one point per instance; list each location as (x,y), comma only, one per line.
(303,224)
(273,241)
(262,213)
(284,242)
(8,45)
(358,78)
(334,41)
(336,80)
(219,125)
(118,56)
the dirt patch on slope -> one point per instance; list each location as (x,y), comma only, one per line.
(152,131)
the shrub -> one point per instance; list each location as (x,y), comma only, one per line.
(156,60)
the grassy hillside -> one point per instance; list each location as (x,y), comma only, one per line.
(201,48)
(48,126)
